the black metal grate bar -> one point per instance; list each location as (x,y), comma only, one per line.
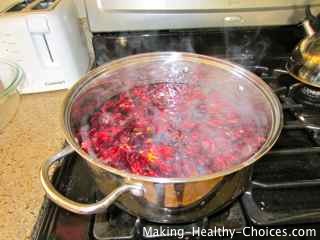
(293,184)
(295,151)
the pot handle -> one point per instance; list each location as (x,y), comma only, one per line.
(75,207)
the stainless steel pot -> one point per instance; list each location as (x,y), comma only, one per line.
(162,199)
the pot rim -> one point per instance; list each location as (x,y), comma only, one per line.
(274,133)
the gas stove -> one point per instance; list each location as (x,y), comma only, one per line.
(285,185)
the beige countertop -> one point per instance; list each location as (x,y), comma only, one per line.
(32,136)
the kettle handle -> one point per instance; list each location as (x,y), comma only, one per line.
(311,24)
(75,207)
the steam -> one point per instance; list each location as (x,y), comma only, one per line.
(241,45)
(243,118)
(207,115)
(249,50)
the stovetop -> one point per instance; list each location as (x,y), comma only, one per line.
(285,186)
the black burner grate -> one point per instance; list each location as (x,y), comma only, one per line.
(309,96)
(117,224)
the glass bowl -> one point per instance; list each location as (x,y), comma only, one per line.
(10,77)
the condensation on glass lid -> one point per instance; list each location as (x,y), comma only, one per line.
(174,130)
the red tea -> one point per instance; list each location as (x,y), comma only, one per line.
(171,130)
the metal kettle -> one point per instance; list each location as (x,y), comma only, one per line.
(304,63)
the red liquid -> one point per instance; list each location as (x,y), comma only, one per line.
(170,130)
